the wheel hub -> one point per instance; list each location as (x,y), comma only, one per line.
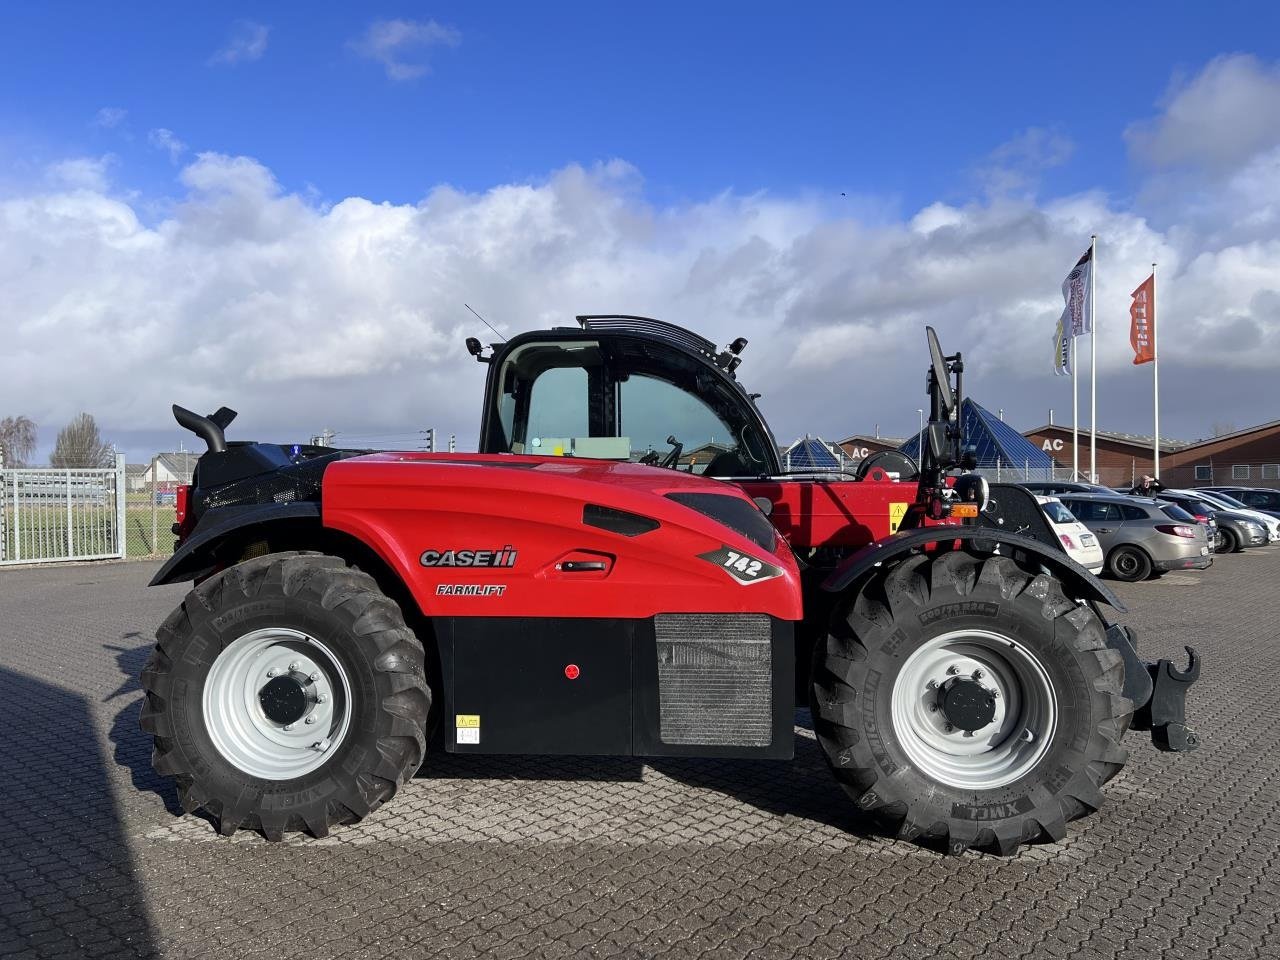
(286,699)
(974,709)
(966,704)
(277,703)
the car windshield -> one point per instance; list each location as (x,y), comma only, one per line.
(1231,502)
(1175,512)
(1058,513)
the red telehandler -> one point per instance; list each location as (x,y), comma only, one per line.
(625,568)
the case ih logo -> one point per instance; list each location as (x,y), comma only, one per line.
(506,557)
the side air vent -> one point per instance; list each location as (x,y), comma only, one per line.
(617,521)
(715,679)
(734,512)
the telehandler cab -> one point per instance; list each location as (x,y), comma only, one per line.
(626,569)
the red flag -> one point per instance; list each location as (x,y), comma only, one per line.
(1142,316)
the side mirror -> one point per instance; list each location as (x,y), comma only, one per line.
(941,373)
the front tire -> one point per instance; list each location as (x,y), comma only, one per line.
(969,702)
(1227,542)
(284,694)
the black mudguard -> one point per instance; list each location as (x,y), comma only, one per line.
(1081,582)
(194,558)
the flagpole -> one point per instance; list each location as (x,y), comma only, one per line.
(1155,378)
(1075,416)
(1093,360)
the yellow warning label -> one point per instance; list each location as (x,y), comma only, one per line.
(896,512)
(468,720)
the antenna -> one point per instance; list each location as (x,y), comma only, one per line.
(486,323)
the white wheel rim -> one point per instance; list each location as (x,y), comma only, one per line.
(1019,732)
(235,719)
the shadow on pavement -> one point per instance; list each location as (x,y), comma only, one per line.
(132,746)
(67,884)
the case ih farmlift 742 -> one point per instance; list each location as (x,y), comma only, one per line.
(575,588)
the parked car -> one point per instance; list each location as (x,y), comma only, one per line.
(1232,530)
(1255,498)
(1141,537)
(1225,502)
(1054,487)
(1081,545)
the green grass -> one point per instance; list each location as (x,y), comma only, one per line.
(42,533)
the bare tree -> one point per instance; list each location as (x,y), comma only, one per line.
(17,440)
(80,445)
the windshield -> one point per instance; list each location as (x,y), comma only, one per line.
(1230,502)
(620,400)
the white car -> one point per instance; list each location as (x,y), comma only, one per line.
(1081,545)
(1224,502)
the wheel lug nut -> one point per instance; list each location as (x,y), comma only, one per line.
(294,666)
(288,726)
(321,698)
(313,677)
(949,728)
(273,672)
(311,719)
(933,708)
(977,674)
(953,670)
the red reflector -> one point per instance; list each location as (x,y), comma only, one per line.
(571,671)
(1066,541)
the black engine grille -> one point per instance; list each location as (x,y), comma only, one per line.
(293,484)
(715,679)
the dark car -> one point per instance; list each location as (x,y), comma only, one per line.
(1255,498)
(1231,531)
(1141,537)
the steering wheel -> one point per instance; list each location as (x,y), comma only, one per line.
(673,457)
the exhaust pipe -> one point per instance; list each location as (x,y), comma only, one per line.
(210,429)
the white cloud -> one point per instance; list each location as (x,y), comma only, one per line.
(401,46)
(1216,120)
(1016,165)
(350,315)
(82,173)
(109,118)
(165,140)
(248,41)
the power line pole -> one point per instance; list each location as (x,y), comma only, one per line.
(453,443)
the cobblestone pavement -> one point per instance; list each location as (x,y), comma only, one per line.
(502,857)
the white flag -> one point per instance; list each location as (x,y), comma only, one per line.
(1077,315)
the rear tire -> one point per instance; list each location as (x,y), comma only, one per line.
(1129,564)
(349,701)
(874,704)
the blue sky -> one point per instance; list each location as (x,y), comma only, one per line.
(283,207)
(895,102)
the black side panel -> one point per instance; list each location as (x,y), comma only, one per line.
(193,559)
(706,685)
(510,672)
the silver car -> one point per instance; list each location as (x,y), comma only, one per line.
(1141,537)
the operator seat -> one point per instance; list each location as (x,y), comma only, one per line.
(727,463)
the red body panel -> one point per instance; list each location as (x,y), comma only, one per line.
(834,513)
(402,504)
